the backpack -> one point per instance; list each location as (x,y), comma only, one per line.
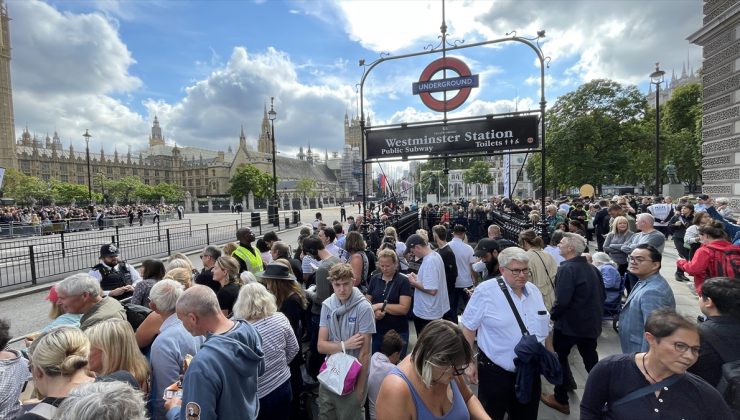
(729,383)
(136,314)
(728,262)
(370,261)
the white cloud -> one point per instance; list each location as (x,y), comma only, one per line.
(67,72)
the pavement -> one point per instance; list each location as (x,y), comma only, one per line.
(27,311)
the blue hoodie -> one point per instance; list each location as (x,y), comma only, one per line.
(221,382)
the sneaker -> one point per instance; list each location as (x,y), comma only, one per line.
(550,401)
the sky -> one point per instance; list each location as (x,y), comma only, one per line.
(208,68)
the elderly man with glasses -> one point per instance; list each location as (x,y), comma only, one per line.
(489,316)
(650,293)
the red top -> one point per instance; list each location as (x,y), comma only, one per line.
(703,264)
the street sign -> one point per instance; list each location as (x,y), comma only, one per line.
(463,84)
(477,136)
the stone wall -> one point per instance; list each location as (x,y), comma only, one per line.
(720,39)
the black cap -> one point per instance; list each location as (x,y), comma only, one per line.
(486,246)
(414,240)
(108,250)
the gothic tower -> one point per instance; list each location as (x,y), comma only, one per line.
(156,138)
(264,145)
(8,157)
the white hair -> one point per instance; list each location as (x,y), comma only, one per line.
(254,302)
(165,293)
(647,218)
(112,400)
(78,284)
(512,253)
(575,241)
(247,277)
(601,258)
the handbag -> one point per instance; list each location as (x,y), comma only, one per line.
(339,372)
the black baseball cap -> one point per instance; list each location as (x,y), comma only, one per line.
(415,240)
(486,246)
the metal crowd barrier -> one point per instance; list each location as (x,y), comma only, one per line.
(15,230)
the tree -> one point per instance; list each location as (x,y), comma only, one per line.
(170,192)
(64,192)
(123,189)
(25,188)
(250,179)
(681,122)
(307,187)
(589,136)
(478,174)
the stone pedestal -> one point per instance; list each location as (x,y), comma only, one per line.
(673,190)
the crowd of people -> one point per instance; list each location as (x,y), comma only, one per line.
(47,215)
(264,328)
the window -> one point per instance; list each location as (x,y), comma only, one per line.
(45,168)
(45,177)
(64,178)
(62,168)
(134,171)
(110,171)
(80,179)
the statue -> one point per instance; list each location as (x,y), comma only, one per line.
(670,170)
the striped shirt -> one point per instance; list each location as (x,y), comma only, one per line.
(280,346)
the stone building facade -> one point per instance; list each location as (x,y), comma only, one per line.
(720,38)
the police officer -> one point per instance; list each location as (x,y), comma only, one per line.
(249,258)
(117,278)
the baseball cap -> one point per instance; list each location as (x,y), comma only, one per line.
(52,296)
(414,240)
(486,246)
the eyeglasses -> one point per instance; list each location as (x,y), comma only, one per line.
(638,260)
(682,347)
(456,370)
(517,272)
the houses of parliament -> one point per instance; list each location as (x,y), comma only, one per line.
(200,172)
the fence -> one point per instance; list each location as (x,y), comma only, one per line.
(14,230)
(42,260)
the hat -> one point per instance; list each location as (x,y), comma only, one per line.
(276,271)
(108,250)
(486,246)
(52,296)
(414,240)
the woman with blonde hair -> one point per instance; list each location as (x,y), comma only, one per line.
(58,364)
(390,231)
(620,235)
(181,275)
(279,344)
(226,273)
(542,266)
(113,348)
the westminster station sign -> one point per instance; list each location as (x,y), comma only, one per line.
(480,136)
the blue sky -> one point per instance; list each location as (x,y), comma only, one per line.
(208,67)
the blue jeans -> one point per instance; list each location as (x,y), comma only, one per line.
(276,404)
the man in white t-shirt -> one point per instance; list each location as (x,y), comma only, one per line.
(431,301)
(662,212)
(465,259)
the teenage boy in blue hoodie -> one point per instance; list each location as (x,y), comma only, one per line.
(221,382)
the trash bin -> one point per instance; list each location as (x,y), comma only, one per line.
(287,222)
(296,217)
(255,219)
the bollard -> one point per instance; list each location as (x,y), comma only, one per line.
(190,227)
(287,222)
(208,235)
(113,240)
(159,235)
(117,237)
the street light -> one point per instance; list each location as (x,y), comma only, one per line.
(656,78)
(87,136)
(271,115)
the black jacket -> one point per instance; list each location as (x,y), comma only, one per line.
(720,343)
(579,299)
(601,221)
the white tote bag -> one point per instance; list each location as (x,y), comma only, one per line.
(339,372)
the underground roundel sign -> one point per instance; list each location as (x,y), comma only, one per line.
(463,84)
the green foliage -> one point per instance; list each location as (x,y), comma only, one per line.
(604,133)
(478,173)
(307,187)
(64,192)
(250,179)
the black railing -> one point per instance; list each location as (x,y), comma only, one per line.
(16,229)
(48,259)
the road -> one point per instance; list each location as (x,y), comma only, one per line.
(28,313)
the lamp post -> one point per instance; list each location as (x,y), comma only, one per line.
(271,115)
(87,136)
(656,78)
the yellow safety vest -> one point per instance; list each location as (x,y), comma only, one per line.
(253,260)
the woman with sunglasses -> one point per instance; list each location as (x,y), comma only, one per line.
(428,384)
(654,384)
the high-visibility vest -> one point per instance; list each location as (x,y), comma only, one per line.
(253,260)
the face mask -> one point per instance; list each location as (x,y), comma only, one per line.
(479,267)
